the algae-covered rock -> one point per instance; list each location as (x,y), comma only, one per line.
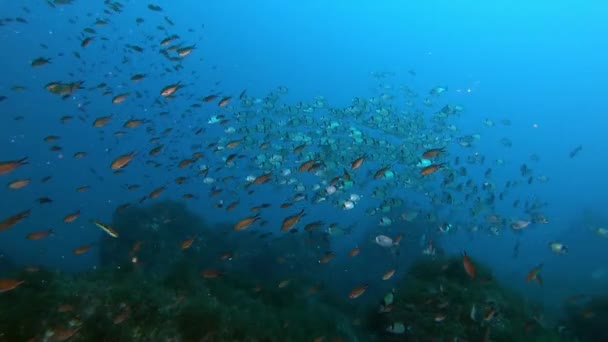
(439,301)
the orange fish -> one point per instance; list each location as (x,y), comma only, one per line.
(133,123)
(357,291)
(431,169)
(120,98)
(19,183)
(71,217)
(11,221)
(290,221)
(187,243)
(170,89)
(136,248)
(354,252)
(432,153)
(246,222)
(122,161)
(357,163)
(233,144)
(468,265)
(388,274)
(9,284)
(533,275)
(39,235)
(327,258)
(82,249)
(380,173)
(263,178)
(101,121)
(9,166)
(307,165)
(211,274)
(224,101)
(156,192)
(122,316)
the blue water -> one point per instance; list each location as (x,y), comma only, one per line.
(539,64)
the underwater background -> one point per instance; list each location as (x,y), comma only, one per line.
(306,171)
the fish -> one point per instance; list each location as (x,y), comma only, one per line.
(211,274)
(82,249)
(388,274)
(19,183)
(40,61)
(120,98)
(384,241)
(520,224)
(246,222)
(11,221)
(327,258)
(187,243)
(224,101)
(39,235)
(432,153)
(170,89)
(69,218)
(357,291)
(468,265)
(122,161)
(10,165)
(9,284)
(101,121)
(357,162)
(109,230)
(290,221)
(354,252)
(575,151)
(558,247)
(431,169)
(533,274)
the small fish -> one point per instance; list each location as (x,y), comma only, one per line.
(224,101)
(327,258)
(187,243)
(122,161)
(71,217)
(19,183)
(533,274)
(211,274)
(109,230)
(170,89)
(9,166)
(101,121)
(290,221)
(39,235)
(558,247)
(388,274)
(357,162)
(357,291)
(575,151)
(520,224)
(246,222)
(432,153)
(11,221)
(120,98)
(431,169)
(9,284)
(82,249)
(40,61)
(468,265)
